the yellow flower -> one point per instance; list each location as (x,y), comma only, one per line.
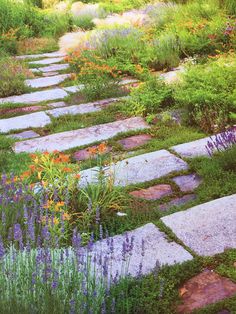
(48,204)
(66,216)
(39,175)
(58,205)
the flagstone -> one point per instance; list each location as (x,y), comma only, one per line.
(138,169)
(178,201)
(204,289)
(155,192)
(24,135)
(52,68)
(151,248)
(70,139)
(21,110)
(57,104)
(47,61)
(33,120)
(135,141)
(188,183)
(43,55)
(50,74)
(47,81)
(35,97)
(74,89)
(209,228)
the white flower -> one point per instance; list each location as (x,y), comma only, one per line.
(121,214)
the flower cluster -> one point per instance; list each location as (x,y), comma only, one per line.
(221,142)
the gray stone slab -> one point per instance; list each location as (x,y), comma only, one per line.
(50,74)
(24,135)
(195,148)
(47,61)
(209,228)
(138,169)
(36,97)
(128,81)
(54,67)
(74,89)
(150,248)
(47,81)
(32,120)
(57,104)
(187,183)
(43,55)
(66,140)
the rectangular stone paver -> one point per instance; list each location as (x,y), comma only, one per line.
(138,169)
(194,149)
(35,97)
(33,120)
(43,55)
(70,139)
(47,81)
(24,135)
(209,228)
(54,67)
(150,248)
(47,61)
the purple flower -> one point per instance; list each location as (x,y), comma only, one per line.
(2,249)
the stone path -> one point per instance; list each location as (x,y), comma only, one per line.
(55,54)
(66,140)
(47,81)
(207,229)
(47,61)
(52,68)
(138,169)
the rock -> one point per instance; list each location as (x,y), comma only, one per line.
(21,110)
(178,201)
(50,74)
(205,289)
(209,228)
(54,67)
(71,139)
(55,54)
(33,120)
(172,76)
(84,154)
(24,135)
(47,81)
(74,89)
(57,104)
(154,192)
(157,250)
(135,141)
(187,183)
(47,61)
(138,169)
(74,110)
(36,97)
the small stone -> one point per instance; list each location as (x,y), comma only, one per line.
(187,183)
(50,74)
(154,192)
(135,141)
(204,289)
(25,135)
(84,154)
(177,202)
(54,67)
(47,61)
(57,104)
(47,81)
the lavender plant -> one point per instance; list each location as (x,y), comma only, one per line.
(221,142)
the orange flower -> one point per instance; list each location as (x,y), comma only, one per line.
(102,148)
(66,169)
(78,176)
(48,204)
(46,153)
(92,150)
(66,216)
(64,158)
(33,156)
(56,160)
(59,205)
(25,174)
(32,167)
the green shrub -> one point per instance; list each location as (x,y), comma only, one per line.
(149,97)
(84,22)
(12,77)
(207,92)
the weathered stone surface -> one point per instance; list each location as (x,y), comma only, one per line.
(154,192)
(47,81)
(25,135)
(43,55)
(33,120)
(205,289)
(208,229)
(21,110)
(47,61)
(135,141)
(54,67)
(187,183)
(178,201)
(35,97)
(157,250)
(73,110)
(73,89)
(195,148)
(57,104)
(85,154)
(172,76)
(128,81)
(50,74)
(138,169)
(66,140)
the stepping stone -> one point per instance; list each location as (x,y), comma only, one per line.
(22,109)
(25,135)
(187,183)
(54,67)
(154,192)
(43,55)
(74,89)
(57,104)
(66,140)
(47,61)
(204,289)
(35,97)
(195,148)
(47,81)
(209,228)
(172,76)
(178,201)
(84,154)
(33,120)
(50,74)
(147,240)
(137,169)
(135,141)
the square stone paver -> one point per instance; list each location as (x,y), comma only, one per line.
(25,135)
(209,228)
(154,192)
(135,141)
(178,201)
(187,183)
